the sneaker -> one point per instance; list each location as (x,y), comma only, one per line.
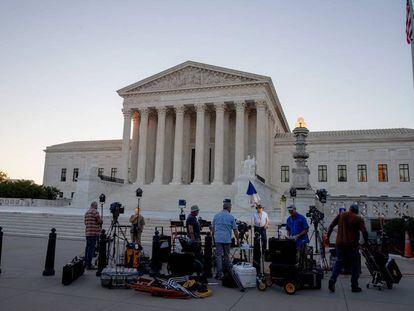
(218,277)
(356,289)
(331,286)
(92,268)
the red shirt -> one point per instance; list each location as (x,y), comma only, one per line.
(92,222)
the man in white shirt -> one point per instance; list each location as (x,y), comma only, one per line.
(261,222)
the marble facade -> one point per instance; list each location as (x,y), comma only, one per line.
(187,129)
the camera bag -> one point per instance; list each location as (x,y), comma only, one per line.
(73,270)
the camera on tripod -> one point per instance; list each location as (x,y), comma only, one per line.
(314,214)
(116,209)
(243,228)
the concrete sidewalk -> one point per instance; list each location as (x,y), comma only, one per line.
(22,287)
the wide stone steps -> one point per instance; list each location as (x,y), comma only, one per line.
(72,226)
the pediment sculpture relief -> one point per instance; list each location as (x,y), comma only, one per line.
(191,77)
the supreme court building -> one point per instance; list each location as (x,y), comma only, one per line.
(187,131)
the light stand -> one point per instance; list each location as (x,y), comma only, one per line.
(138,193)
(181,205)
(102,199)
(292,192)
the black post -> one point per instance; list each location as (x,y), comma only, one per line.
(156,264)
(1,244)
(50,255)
(102,260)
(208,255)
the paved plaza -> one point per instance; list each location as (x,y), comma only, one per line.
(22,287)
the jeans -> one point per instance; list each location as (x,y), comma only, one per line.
(263,236)
(222,257)
(352,254)
(90,249)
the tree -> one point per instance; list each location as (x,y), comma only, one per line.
(27,189)
(3,176)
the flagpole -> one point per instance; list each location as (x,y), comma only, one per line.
(412,39)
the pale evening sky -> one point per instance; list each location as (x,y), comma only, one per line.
(339,64)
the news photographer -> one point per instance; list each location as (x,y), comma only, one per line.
(222,227)
(93,224)
(297,226)
(192,225)
(260,221)
(347,242)
(138,223)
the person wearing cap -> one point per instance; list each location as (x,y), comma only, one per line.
(137,225)
(347,242)
(192,225)
(222,227)
(297,227)
(260,221)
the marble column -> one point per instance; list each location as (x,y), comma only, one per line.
(159,153)
(219,144)
(142,150)
(126,137)
(199,146)
(134,148)
(261,138)
(178,145)
(239,137)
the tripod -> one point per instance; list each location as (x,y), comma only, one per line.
(318,239)
(116,233)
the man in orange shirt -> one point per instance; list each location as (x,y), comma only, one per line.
(347,242)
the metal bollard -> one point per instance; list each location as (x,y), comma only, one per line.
(102,260)
(1,244)
(156,264)
(50,255)
(208,255)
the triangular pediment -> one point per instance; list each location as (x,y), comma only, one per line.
(191,75)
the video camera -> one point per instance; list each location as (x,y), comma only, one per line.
(243,227)
(314,214)
(204,223)
(116,208)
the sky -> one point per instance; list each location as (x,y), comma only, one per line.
(339,64)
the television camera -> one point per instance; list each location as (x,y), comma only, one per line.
(314,214)
(116,209)
(243,228)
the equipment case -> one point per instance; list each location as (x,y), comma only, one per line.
(246,274)
(118,277)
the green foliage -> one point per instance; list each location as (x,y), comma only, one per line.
(3,176)
(24,189)
(395,230)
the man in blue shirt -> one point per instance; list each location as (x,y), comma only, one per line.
(222,227)
(297,226)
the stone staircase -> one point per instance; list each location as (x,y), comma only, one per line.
(72,226)
(67,226)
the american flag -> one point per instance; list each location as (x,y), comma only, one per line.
(409,23)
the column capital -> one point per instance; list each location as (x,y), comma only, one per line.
(161,110)
(127,113)
(200,108)
(261,104)
(240,105)
(179,109)
(144,111)
(220,107)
